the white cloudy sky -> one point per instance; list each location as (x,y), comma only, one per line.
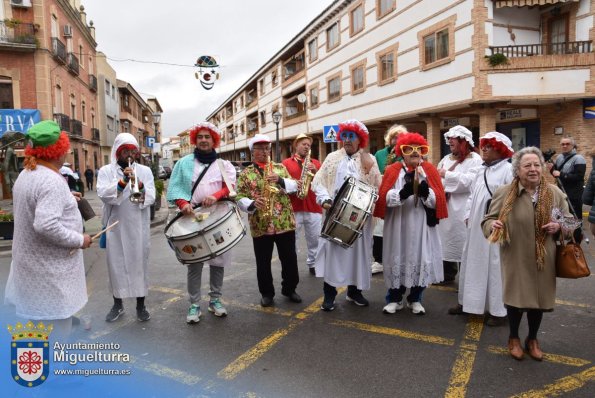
(241,34)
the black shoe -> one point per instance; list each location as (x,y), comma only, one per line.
(312,270)
(496,320)
(266,301)
(142,314)
(445,282)
(358,299)
(328,304)
(114,314)
(294,297)
(458,310)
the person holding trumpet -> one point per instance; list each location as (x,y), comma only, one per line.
(197,179)
(127,190)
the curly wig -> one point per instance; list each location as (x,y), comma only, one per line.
(358,128)
(498,146)
(409,139)
(51,152)
(211,128)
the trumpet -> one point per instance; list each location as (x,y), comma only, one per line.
(135,193)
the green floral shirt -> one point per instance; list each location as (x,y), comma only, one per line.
(250,185)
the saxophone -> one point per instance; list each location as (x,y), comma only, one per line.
(268,191)
(306,177)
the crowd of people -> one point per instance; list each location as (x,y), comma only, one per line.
(487,218)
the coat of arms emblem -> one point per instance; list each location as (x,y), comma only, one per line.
(29,353)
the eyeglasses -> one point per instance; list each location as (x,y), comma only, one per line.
(423,150)
(263,149)
(487,147)
(348,135)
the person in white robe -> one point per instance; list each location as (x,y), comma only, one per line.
(337,265)
(457,172)
(47,274)
(480,280)
(128,242)
(203,163)
(411,202)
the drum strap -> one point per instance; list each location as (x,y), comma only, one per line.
(204,171)
(232,193)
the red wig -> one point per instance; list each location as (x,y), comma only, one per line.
(409,139)
(51,152)
(130,147)
(358,128)
(498,146)
(211,128)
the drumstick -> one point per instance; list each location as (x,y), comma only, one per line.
(98,234)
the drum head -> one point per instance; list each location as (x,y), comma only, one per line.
(184,226)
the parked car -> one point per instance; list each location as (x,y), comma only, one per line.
(167,170)
(162,173)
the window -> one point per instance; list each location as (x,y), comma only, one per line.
(358,77)
(261,85)
(436,44)
(314,96)
(558,34)
(84,111)
(274,80)
(293,65)
(313,50)
(383,7)
(356,19)
(293,107)
(386,63)
(54,26)
(332,36)
(333,88)
(263,118)
(58,102)
(72,107)
(6,100)
(90,65)
(107,87)
(110,123)
(81,57)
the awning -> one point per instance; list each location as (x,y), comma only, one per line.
(524,3)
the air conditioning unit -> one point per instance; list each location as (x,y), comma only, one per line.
(67,31)
(20,3)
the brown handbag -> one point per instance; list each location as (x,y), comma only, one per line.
(570,260)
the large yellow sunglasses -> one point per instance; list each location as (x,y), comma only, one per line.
(423,150)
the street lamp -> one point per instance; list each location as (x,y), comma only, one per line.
(276,119)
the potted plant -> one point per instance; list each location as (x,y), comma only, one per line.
(497,59)
(6,225)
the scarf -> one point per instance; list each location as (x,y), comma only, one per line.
(205,158)
(543,211)
(434,181)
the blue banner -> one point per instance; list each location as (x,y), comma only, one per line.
(589,109)
(18,119)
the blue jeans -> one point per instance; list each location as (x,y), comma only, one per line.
(396,295)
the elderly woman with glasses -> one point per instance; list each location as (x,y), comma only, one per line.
(520,219)
(411,201)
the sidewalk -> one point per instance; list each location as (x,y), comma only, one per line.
(93,225)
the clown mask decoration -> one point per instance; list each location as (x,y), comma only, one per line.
(207,71)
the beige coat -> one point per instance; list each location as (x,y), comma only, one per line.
(524,286)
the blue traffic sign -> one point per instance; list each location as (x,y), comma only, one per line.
(329,133)
(150,142)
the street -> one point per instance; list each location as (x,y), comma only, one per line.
(296,350)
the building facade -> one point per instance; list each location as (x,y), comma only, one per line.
(522,67)
(108,100)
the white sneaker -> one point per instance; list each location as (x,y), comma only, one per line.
(416,308)
(393,307)
(217,308)
(193,314)
(377,267)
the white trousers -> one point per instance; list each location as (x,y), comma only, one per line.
(311,224)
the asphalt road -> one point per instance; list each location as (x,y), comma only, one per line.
(296,350)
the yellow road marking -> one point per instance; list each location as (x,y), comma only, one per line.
(554,358)
(177,375)
(561,386)
(169,290)
(463,366)
(396,332)
(443,288)
(264,345)
(572,303)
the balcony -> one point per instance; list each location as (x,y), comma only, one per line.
(73,64)
(58,50)
(63,121)
(95,134)
(17,36)
(76,128)
(529,50)
(93,83)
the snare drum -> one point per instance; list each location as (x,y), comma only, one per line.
(346,218)
(197,241)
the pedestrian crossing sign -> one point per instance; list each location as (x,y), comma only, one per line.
(329,133)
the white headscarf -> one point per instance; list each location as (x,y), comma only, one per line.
(121,139)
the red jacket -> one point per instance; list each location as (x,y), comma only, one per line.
(295,171)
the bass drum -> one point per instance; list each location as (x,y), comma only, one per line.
(345,220)
(196,241)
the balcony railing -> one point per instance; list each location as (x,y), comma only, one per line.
(73,64)
(95,134)
(17,34)
(76,128)
(58,50)
(92,83)
(528,50)
(63,121)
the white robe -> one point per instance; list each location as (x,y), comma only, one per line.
(45,280)
(344,266)
(411,250)
(128,242)
(480,281)
(457,185)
